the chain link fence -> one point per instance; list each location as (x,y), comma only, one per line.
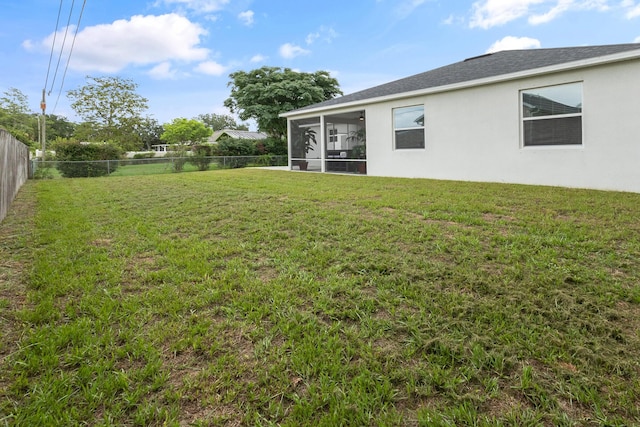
(148,166)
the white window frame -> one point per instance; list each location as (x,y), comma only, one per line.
(524,119)
(396,129)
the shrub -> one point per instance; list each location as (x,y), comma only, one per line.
(238,149)
(179,157)
(201,157)
(144,158)
(148,155)
(84,160)
(273,146)
(42,171)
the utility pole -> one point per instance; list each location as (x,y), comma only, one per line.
(43,105)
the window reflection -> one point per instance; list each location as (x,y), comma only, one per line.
(408,123)
(552,100)
(552,115)
(408,117)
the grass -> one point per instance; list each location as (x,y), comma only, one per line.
(132,169)
(253,297)
(161,165)
(152,169)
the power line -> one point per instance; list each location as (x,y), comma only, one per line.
(66,31)
(53,45)
(73,42)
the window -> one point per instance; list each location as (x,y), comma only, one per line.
(408,125)
(333,134)
(552,115)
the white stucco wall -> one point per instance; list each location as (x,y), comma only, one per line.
(473,134)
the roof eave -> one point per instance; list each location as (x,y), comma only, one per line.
(567,66)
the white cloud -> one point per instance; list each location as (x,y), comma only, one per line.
(289,51)
(406,8)
(246,17)
(491,13)
(258,58)
(141,40)
(514,43)
(633,12)
(211,68)
(162,71)
(637,40)
(200,6)
(28,45)
(553,13)
(312,37)
(326,34)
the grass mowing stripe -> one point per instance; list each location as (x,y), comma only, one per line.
(259,297)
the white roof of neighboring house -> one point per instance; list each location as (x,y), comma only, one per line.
(237,134)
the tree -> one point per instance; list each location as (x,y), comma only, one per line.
(183,131)
(263,94)
(112,106)
(86,132)
(149,131)
(16,118)
(59,127)
(14,102)
(220,121)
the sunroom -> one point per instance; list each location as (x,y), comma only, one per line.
(329,143)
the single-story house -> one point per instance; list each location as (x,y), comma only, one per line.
(561,117)
(160,148)
(235,134)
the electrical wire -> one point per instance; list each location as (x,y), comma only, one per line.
(66,31)
(73,42)
(53,45)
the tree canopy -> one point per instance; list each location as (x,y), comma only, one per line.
(16,117)
(149,131)
(263,94)
(220,121)
(113,107)
(183,131)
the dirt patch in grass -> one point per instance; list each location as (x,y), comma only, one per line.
(101,243)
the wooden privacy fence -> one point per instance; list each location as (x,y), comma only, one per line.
(14,169)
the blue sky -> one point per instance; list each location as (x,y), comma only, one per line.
(180,52)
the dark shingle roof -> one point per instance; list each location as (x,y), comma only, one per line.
(483,66)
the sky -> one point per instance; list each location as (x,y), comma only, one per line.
(180,52)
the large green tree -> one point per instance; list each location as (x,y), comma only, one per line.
(220,121)
(113,107)
(59,127)
(183,131)
(149,131)
(263,94)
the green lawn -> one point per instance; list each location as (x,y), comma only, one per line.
(152,169)
(161,165)
(256,297)
(127,168)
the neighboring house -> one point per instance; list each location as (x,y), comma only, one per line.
(235,134)
(562,117)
